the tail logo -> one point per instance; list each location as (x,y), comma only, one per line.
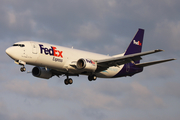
(137,43)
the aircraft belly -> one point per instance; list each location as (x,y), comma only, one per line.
(110,72)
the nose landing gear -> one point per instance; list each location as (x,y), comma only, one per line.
(20,62)
(68,80)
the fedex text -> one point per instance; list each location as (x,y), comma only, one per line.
(51,51)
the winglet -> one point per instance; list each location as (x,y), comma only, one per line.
(158,50)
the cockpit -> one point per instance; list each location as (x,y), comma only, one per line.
(20,45)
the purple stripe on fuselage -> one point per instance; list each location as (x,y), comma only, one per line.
(129,69)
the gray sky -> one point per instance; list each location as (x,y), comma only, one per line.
(102,26)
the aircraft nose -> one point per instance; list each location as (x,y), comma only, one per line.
(9,51)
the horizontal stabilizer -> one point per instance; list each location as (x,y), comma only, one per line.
(114,61)
(153,63)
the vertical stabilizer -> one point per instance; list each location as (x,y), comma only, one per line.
(136,43)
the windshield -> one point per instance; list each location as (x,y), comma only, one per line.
(21,45)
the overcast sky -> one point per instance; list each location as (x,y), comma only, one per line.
(101,26)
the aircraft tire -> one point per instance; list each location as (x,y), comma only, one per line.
(68,81)
(89,78)
(92,77)
(22,69)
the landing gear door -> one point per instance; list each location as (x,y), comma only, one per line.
(34,48)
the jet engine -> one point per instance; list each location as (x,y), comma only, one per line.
(86,64)
(41,72)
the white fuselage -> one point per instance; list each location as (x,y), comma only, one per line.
(57,57)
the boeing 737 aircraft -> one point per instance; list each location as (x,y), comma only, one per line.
(52,60)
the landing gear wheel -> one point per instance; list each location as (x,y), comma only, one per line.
(68,81)
(22,69)
(89,78)
(92,77)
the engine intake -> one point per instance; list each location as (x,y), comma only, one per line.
(86,64)
(81,63)
(41,72)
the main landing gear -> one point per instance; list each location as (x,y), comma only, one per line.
(68,81)
(92,77)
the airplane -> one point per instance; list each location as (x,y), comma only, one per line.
(52,60)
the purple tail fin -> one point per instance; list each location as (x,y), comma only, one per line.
(135,46)
(136,43)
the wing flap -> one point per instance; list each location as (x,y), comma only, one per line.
(153,63)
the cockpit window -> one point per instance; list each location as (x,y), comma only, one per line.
(21,45)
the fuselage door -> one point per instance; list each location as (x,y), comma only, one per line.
(34,48)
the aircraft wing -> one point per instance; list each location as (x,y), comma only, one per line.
(116,61)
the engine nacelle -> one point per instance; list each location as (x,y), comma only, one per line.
(86,64)
(41,72)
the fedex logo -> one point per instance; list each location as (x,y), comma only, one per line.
(90,61)
(137,43)
(51,51)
